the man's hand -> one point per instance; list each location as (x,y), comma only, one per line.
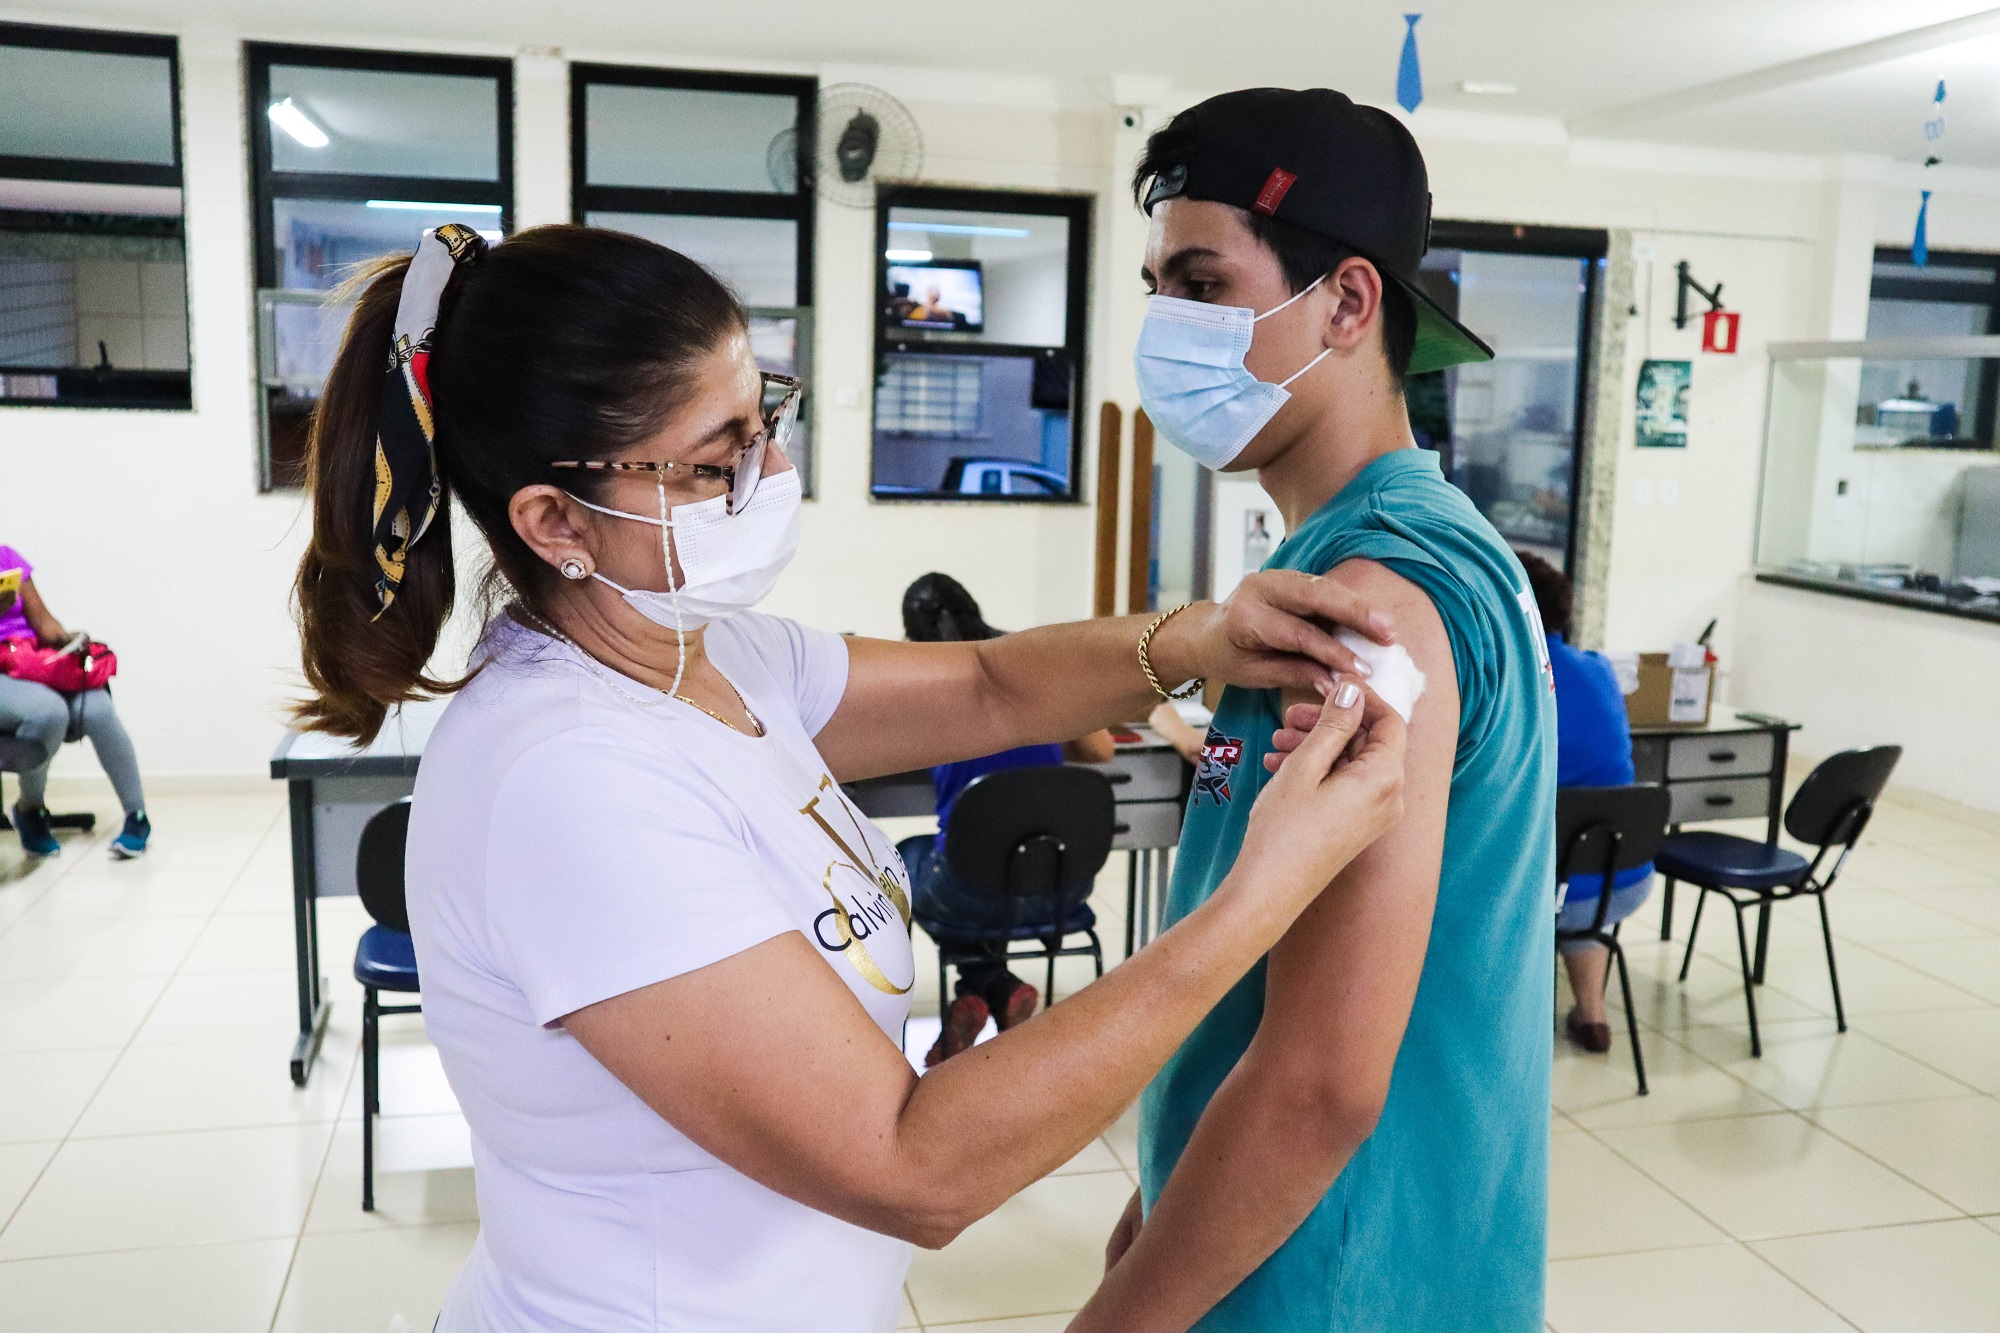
(1275,631)
(1124,1233)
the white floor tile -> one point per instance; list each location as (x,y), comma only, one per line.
(1951,1148)
(1723,1289)
(169,1189)
(1599,1091)
(1807,1065)
(65,1015)
(20,1164)
(43,1092)
(211,1085)
(1938,1278)
(362,1280)
(259,943)
(1601,1204)
(1977,905)
(1971,964)
(1964,1043)
(423,1176)
(225,1006)
(34,950)
(1041,1251)
(188,1289)
(1772,1175)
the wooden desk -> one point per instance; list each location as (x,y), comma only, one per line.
(1732,767)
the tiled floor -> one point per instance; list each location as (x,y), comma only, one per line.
(158,1170)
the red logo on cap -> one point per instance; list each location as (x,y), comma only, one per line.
(1273,193)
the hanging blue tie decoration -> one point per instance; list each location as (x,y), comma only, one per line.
(1409,79)
(1920,247)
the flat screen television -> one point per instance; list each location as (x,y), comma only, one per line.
(940,294)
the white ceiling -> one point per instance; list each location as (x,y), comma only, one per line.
(1572,60)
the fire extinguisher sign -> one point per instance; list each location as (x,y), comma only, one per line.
(1719,330)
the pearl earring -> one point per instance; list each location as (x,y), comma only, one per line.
(574,568)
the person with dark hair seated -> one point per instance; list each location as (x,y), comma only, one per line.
(938,609)
(1593,749)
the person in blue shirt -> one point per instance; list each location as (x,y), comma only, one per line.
(1356,1137)
(1593,749)
(937,608)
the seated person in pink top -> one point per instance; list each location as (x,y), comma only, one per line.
(31,711)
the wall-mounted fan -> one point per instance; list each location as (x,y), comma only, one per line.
(865,135)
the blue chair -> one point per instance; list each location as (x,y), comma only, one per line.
(1830,809)
(384,960)
(1601,831)
(1023,833)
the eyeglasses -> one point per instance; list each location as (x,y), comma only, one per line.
(782,395)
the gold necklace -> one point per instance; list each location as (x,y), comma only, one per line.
(545,627)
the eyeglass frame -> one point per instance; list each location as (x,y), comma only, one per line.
(785,415)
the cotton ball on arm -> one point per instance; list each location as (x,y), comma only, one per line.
(1397,679)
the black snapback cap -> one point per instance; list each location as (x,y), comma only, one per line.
(1313,158)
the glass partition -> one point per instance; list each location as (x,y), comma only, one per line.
(1880,474)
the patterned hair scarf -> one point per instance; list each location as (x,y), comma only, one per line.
(407,487)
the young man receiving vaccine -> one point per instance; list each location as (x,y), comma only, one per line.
(1357,1137)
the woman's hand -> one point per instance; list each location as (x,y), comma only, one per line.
(1124,1233)
(1339,789)
(1274,631)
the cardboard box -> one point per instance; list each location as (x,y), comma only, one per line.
(1670,696)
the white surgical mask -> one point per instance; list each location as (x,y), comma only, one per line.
(730,562)
(1192,381)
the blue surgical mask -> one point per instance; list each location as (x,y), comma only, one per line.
(1192,381)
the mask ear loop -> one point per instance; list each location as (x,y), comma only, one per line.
(673,587)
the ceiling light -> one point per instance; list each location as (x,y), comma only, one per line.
(298,124)
(957,229)
(420,206)
(1483,88)
(907,256)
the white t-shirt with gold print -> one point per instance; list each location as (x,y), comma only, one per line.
(569,844)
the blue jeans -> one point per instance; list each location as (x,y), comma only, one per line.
(1580,913)
(37,713)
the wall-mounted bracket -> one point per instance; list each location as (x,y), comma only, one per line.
(1687,283)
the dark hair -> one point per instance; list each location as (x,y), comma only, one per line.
(1553,593)
(1303,255)
(563,342)
(937,608)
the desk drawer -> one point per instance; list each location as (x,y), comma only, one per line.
(1146,824)
(1735,798)
(1144,775)
(1718,756)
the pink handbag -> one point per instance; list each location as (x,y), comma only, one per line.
(71,669)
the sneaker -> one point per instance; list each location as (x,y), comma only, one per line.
(37,838)
(131,840)
(962,1025)
(1013,1002)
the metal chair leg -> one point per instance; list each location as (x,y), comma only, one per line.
(1096,952)
(1763,936)
(1749,985)
(1631,1018)
(1694,929)
(370,1076)
(1667,911)
(1832,972)
(1131,901)
(1049,991)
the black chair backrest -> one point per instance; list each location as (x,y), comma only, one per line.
(1040,830)
(378,866)
(1624,825)
(1834,802)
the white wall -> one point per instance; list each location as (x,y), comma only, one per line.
(149,531)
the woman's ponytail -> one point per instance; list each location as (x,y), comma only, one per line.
(356,661)
(559,343)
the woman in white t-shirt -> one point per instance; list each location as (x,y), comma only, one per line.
(665,961)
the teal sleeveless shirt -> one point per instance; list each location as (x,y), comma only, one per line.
(1438,1223)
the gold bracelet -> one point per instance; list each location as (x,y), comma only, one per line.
(1188,691)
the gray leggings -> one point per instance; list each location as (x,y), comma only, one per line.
(38,713)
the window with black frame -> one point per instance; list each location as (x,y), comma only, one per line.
(1931,403)
(709,163)
(979,334)
(93,271)
(353,154)
(1510,430)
